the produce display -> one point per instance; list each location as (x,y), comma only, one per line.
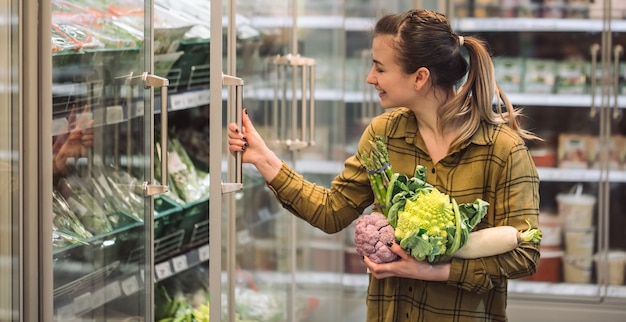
(107,199)
(186,299)
(88,206)
(427,223)
(187,182)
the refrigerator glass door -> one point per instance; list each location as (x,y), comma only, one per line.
(302,93)
(10,156)
(562,62)
(102,144)
(263,247)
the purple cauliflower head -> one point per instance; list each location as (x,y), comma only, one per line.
(371,237)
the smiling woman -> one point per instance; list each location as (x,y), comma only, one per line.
(439,117)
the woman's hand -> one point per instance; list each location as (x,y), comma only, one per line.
(253,149)
(74,142)
(408,267)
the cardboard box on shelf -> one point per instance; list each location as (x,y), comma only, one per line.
(539,76)
(596,9)
(577,9)
(620,149)
(572,151)
(571,77)
(509,71)
(594,149)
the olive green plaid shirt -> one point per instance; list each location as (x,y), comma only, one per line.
(493,165)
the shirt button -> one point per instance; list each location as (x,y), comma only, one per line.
(432,170)
(410,289)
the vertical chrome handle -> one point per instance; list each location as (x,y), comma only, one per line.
(617,53)
(594,66)
(312,104)
(237,84)
(308,86)
(290,136)
(156,81)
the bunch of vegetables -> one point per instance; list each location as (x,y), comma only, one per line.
(429,224)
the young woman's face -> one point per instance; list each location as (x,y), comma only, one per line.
(395,88)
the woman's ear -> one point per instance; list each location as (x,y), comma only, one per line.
(422,78)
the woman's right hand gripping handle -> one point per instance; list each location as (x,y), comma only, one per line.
(252,147)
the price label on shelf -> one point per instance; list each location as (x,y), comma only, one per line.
(139,108)
(113,291)
(203,253)
(130,285)
(177,102)
(191,100)
(98,298)
(59,126)
(180,263)
(82,303)
(204,97)
(243,237)
(265,213)
(616,291)
(163,270)
(66,313)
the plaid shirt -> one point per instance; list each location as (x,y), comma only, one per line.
(493,165)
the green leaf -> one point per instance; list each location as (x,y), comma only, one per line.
(417,246)
(474,212)
(392,215)
(420,172)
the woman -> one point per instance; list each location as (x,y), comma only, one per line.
(470,152)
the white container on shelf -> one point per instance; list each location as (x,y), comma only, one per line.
(580,242)
(616,260)
(551,226)
(577,269)
(576,209)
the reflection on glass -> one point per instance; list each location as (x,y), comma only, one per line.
(9,160)
(98,163)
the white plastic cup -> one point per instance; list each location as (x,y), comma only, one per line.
(576,209)
(616,261)
(577,269)
(551,226)
(580,242)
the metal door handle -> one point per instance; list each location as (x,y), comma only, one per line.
(617,53)
(594,63)
(305,67)
(156,81)
(237,83)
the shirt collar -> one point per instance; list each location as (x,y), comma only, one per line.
(407,128)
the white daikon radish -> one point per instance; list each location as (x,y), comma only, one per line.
(496,240)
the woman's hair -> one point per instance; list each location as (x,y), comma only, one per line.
(425,38)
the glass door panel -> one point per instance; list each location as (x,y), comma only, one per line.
(102,144)
(264,251)
(10,157)
(561,62)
